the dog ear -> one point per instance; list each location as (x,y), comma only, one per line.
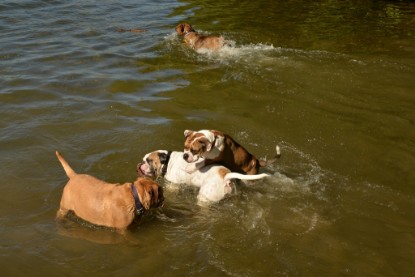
(163,158)
(188,133)
(146,199)
(180,29)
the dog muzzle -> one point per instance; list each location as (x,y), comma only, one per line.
(189,157)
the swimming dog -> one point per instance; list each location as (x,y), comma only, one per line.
(198,41)
(215,181)
(206,147)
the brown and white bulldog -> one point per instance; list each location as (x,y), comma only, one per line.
(105,204)
(206,147)
(198,41)
(214,181)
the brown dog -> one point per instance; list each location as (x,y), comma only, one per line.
(216,147)
(105,204)
(197,41)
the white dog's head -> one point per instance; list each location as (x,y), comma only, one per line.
(154,164)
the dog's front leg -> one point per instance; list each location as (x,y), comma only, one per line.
(192,167)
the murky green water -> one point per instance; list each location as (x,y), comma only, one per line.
(332,82)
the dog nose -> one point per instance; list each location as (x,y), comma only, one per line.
(185,156)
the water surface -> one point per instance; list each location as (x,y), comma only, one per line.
(331,82)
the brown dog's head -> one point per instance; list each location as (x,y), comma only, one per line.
(150,193)
(197,144)
(154,164)
(184,28)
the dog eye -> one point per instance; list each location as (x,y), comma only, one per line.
(148,160)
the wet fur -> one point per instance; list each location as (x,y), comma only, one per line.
(105,204)
(216,147)
(215,181)
(198,41)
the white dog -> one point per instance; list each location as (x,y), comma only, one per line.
(215,181)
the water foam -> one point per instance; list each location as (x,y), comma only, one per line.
(227,53)
(237,51)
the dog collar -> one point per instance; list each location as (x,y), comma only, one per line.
(164,170)
(139,209)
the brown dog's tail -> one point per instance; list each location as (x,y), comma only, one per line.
(68,169)
(273,160)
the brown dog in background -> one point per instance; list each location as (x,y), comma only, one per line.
(105,204)
(198,41)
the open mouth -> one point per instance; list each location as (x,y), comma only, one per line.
(142,169)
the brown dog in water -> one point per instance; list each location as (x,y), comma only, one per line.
(105,204)
(197,41)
